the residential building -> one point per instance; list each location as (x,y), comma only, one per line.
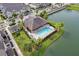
(37,27)
(6,45)
(14,28)
(2,47)
(8,8)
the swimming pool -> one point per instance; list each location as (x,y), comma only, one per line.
(43,32)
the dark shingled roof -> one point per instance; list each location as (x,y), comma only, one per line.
(34,22)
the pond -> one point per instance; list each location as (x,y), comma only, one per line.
(68,44)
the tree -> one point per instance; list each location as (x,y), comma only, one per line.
(21,16)
(39,41)
(2,17)
(36,12)
(44,15)
(14,14)
(62,24)
(28,47)
(1,12)
(59,25)
(18,33)
(13,21)
(20,24)
(34,44)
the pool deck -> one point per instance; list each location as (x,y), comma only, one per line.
(36,36)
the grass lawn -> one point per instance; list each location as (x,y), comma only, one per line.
(23,39)
(73,7)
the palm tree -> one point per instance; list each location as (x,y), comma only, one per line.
(59,25)
(20,24)
(14,14)
(13,21)
(39,41)
(2,15)
(21,16)
(44,14)
(36,12)
(0,12)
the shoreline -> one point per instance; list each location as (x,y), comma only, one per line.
(60,9)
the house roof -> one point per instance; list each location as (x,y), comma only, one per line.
(3,37)
(34,22)
(2,52)
(10,51)
(2,34)
(12,6)
(34,5)
(14,28)
(1,44)
(38,5)
(2,48)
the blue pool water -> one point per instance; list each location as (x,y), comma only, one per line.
(43,31)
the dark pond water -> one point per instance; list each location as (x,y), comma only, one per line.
(68,44)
